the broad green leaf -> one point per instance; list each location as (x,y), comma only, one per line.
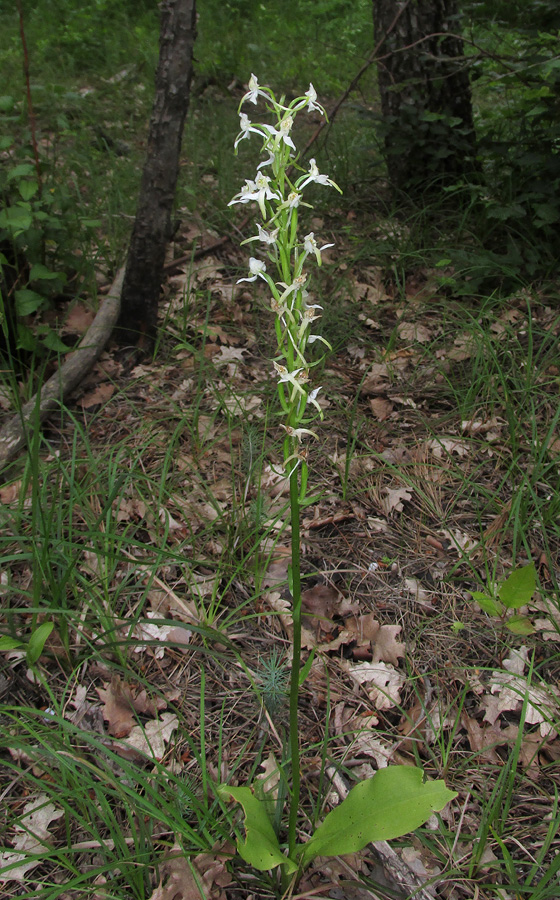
(40,272)
(21,171)
(392,803)
(16,218)
(520,625)
(28,301)
(260,848)
(52,341)
(28,189)
(37,642)
(487,604)
(518,589)
(9,643)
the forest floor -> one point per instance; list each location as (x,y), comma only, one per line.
(151,527)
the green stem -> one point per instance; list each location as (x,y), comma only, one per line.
(296,661)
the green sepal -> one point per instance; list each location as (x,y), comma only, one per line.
(395,801)
(260,848)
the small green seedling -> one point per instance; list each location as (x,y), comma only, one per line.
(33,647)
(513,593)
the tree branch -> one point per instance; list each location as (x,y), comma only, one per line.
(17,432)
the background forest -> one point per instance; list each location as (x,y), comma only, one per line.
(145,619)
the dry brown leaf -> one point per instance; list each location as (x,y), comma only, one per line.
(213,870)
(368,293)
(386,648)
(319,604)
(483,740)
(180,881)
(121,701)
(509,690)
(31,833)
(393,502)
(167,634)
(276,572)
(383,682)
(101,394)
(118,709)
(414,331)
(421,595)
(364,740)
(78,320)
(441,447)
(381,408)
(151,739)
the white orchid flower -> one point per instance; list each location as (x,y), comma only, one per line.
(282,133)
(281,310)
(310,246)
(317,337)
(315,176)
(309,314)
(246,128)
(267,237)
(257,269)
(258,190)
(298,432)
(255,91)
(312,398)
(296,285)
(300,457)
(295,378)
(264,192)
(312,104)
(245,194)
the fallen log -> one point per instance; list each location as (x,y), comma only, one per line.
(18,431)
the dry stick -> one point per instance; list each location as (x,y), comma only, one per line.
(30,111)
(17,432)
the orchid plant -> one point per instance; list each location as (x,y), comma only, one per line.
(396,800)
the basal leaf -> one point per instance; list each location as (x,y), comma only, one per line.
(260,848)
(37,641)
(392,803)
(518,589)
(9,643)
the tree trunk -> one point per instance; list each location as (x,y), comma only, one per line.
(152,227)
(425,93)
